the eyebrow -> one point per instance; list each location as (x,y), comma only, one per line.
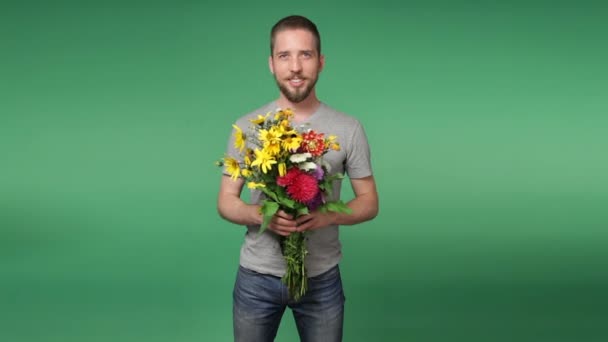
(312,52)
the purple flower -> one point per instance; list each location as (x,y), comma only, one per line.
(315,202)
(318,173)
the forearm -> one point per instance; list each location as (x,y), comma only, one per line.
(238,212)
(364,208)
(231,207)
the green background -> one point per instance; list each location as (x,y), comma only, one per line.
(487,122)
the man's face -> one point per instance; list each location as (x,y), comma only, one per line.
(295,63)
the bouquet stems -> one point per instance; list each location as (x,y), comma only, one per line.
(294,252)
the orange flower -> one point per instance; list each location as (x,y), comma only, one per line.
(313,142)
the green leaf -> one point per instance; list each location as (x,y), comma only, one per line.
(270,194)
(327,184)
(288,202)
(337,206)
(334,177)
(328,188)
(269,208)
(302,211)
(284,199)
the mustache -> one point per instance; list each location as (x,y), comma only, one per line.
(298,75)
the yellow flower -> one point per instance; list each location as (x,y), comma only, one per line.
(263,160)
(272,148)
(239,138)
(287,113)
(284,129)
(254,185)
(246,173)
(331,143)
(292,143)
(248,156)
(270,135)
(283,114)
(232,167)
(260,119)
(282,169)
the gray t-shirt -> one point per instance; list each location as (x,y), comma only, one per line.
(262,253)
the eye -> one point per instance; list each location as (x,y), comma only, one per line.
(307,54)
(283,56)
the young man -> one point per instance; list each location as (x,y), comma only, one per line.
(260,298)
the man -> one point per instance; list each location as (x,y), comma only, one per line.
(260,297)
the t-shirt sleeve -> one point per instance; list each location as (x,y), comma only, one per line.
(358,157)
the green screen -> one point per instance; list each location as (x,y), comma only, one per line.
(487,123)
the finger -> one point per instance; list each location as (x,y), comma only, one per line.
(303,219)
(284,215)
(279,221)
(282,233)
(305,225)
(282,230)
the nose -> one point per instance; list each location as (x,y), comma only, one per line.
(295,65)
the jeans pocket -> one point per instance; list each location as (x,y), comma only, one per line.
(330,274)
(248,271)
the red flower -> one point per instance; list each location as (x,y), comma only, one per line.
(301,186)
(304,188)
(313,143)
(289,177)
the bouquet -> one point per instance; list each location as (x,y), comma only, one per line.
(287,165)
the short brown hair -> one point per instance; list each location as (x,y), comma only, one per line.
(295,22)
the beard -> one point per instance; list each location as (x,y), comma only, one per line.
(299,94)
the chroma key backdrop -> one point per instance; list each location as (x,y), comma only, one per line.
(488,123)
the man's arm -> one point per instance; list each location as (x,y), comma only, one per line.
(231,207)
(364,207)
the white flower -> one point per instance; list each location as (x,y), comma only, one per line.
(300,157)
(307,166)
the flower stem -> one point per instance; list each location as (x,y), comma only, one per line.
(294,252)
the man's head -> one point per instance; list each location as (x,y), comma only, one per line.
(294,22)
(295,58)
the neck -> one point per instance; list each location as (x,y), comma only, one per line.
(302,110)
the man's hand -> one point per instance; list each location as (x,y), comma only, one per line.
(364,207)
(314,220)
(282,223)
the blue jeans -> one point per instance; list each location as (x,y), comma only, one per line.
(261,299)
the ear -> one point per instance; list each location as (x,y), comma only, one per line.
(270,65)
(321,62)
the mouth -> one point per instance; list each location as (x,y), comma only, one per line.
(296,81)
